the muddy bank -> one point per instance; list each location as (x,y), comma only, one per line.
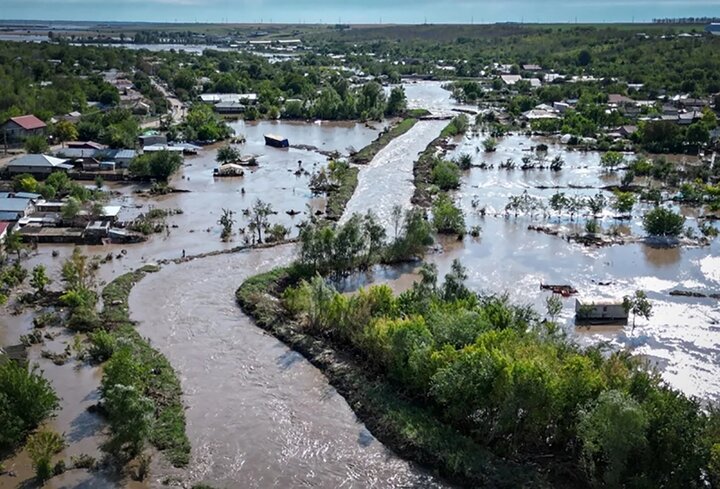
(366,154)
(401,424)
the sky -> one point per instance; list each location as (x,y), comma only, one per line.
(357,11)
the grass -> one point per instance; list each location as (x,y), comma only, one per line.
(163,387)
(366,154)
(338,198)
(408,427)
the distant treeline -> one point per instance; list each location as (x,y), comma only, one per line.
(688,20)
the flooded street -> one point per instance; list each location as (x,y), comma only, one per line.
(258,414)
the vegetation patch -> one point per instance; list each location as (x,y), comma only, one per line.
(141,392)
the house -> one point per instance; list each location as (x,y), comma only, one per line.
(688,118)
(510,79)
(151,139)
(13,208)
(18,128)
(561,107)
(237,98)
(535,114)
(86,145)
(627,131)
(123,158)
(600,311)
(229,108)
(532,67)
(4,229)
(276,141)
(617,100)
(38,165)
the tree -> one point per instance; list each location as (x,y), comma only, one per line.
(65,131)
(596,203)
(397,103)
(71,209)
(39,279)
(554,306)
(610,431)
(14,244)
(227,222)
(159,165)
(638,304)
(446,175)
(611,160)
(584,58)
(259,213)
(447,218)
(41,447)
(558,202)
(624,202)
(663,222)
(228,154)
(36,144)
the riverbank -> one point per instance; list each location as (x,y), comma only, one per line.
(163,386)
(407,427)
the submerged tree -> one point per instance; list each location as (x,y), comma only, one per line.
(637,304)
(259,214)
(227,222)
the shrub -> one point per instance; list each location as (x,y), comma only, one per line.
(102,346)
(447,218)
(41,447)
(663,222)
(446,175)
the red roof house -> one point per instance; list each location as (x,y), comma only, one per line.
(18,128)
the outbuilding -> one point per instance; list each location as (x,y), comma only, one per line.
(600,311)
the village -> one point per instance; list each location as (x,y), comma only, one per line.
(562,199)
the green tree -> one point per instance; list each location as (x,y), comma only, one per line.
(638,304)
(39,279)
(259,214)
(71,209)
(611,160)
(446,175)
(624,202)
(663,222)
(158,165)
(228,154)
(397,102)
(554,306)
(14,244)
(448,218)
(610,432)
(227,222)
(26,399)
(65,131)
(36,144)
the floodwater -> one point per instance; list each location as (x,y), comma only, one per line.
(388,179)
(258,414)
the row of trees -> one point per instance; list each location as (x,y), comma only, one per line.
(501,376)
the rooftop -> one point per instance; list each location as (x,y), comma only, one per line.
(28,122)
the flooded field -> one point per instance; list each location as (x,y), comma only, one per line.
(258,414)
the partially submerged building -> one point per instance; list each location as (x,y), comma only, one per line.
(600,311)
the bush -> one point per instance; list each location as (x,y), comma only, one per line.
(102,346)
(41,447)
(663,222)
(446,175)
(447,218)
(26,398)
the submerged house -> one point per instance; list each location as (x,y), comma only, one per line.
(276,141)
(600,311)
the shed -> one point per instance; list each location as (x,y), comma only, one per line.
(276,141)
(600,311)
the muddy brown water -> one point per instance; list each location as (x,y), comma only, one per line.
(258,414)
